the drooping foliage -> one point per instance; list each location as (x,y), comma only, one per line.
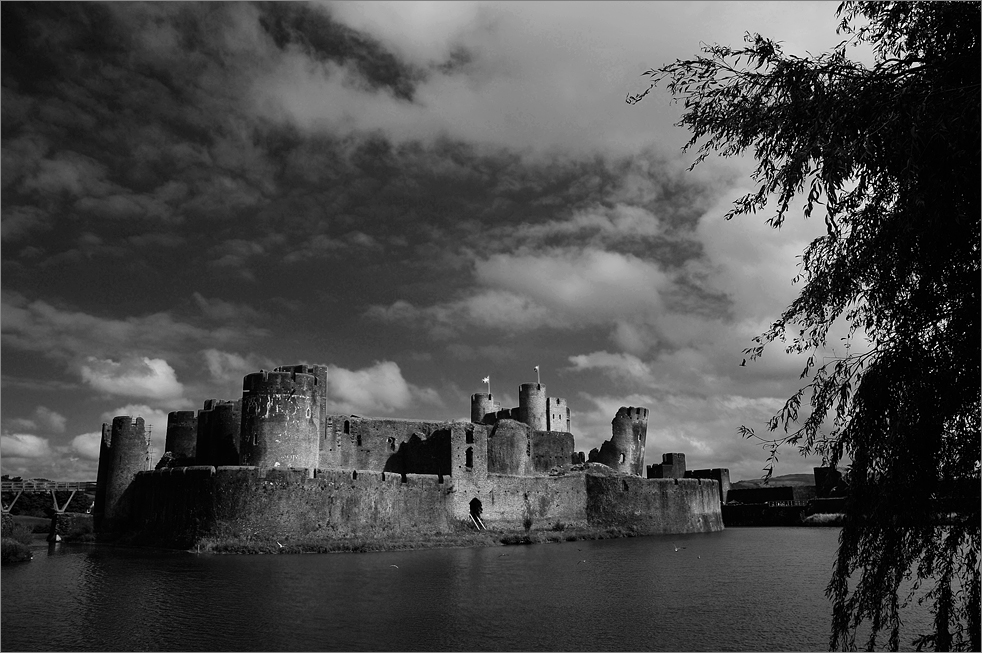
(889,155)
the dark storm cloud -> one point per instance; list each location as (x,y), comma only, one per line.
(313,32)
(195,190)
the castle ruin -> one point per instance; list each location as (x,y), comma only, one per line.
(276,461)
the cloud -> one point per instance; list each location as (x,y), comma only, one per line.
(618,365)
(44,420)
(223,311)
(76,336)
(589,285)
(87,445)
(135,377)
(22,445)
(380,388)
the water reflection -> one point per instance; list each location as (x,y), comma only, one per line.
(742,589)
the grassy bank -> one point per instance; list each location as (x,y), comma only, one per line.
(404,542)
(15,543)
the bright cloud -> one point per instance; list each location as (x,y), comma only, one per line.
(87,445)
(592,285)
(144,377)
(380,388)
(22,445)
(617,365)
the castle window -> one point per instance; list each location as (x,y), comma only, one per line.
(469,439)
(621,459)
(347,427)
(469,457)
(358,438)
(392,444)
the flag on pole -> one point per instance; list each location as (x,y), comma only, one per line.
(537,374)
(487,380)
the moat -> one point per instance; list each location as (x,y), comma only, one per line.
(738,589)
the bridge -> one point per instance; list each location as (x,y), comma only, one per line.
(17,488)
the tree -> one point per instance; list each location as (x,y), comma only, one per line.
(890,155)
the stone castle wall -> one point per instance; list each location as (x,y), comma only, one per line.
(411,446)
(654,505)
(551,449)
(183,504)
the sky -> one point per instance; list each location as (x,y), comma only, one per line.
(416,194)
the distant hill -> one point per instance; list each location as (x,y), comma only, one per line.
(788,480)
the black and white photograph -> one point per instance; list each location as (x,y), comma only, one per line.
(369,325)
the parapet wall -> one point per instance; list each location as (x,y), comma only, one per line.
(654,505)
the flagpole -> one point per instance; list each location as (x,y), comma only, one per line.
(538,381)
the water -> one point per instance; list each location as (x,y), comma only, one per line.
(737,590)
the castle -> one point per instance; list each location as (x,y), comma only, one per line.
(277,462)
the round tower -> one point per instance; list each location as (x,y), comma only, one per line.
(482,404)
(629,429)
(279,428)
(127,456)
(532,405)
(182,434)
(219,433)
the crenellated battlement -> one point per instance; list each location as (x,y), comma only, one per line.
(632,413)
(277,461)
(278,382)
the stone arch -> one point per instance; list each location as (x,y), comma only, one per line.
(476,507)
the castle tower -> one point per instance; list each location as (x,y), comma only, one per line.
(278,424)
(182,434)
(127,455)
(320,391)
(482,404)
(532,406)
(557,416)
(102,474)
(625,449)
(219,433)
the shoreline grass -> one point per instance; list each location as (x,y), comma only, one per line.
(402,542)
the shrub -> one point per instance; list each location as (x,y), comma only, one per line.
(12,550)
